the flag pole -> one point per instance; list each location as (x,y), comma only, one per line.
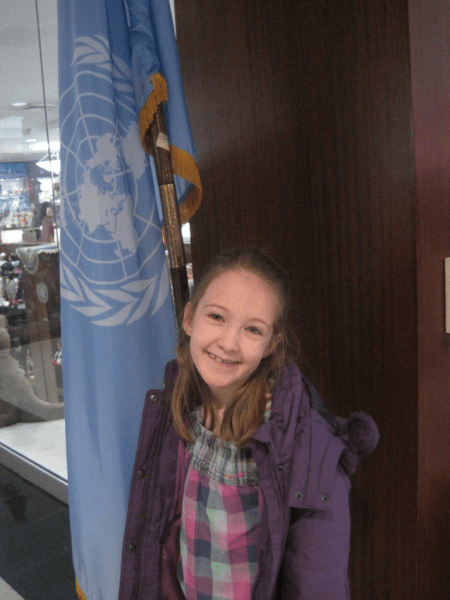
(157,141)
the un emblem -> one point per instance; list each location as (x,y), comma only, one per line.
(112,260)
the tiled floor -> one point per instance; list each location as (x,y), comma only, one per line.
(35,550)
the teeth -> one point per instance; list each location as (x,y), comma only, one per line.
(225,362)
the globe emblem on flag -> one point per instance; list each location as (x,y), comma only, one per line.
(112,260)
(104,195)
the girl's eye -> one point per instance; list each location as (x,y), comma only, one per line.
(215,317)
(254,330)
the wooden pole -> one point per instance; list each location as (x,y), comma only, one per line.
(156,139)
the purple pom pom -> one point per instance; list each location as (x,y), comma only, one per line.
(363,433)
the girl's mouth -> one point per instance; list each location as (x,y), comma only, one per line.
(230,363)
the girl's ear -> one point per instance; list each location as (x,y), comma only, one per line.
(276,339)
(187,319)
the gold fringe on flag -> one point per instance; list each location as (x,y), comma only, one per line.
(182,162)
(79,591)
(185,166)
(148,111)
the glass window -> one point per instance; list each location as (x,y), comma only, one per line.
(31,393)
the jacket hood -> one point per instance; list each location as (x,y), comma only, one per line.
(294,399)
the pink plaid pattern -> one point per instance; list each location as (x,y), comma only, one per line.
(220,519)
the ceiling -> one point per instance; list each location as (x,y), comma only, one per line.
(21,79)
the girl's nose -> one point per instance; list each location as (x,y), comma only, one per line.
(229,340)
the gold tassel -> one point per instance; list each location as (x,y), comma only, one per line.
(79,591)
(183,163)
(184,166)
(148,111)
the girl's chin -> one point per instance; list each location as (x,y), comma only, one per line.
(223,395)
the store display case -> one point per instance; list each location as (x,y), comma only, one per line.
(30,332)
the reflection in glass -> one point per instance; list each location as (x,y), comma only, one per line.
(30,335)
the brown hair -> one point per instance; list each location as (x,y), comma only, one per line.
(245,413)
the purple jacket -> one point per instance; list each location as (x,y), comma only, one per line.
(304,458)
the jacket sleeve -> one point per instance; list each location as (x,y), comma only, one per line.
(315,563)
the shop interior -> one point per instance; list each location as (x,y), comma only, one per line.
(32,434)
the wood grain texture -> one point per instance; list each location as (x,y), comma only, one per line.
(303,119)
(430,60)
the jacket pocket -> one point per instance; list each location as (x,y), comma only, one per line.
(315,467)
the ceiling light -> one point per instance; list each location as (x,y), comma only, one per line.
(50,162)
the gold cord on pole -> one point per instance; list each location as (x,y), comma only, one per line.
(157,142)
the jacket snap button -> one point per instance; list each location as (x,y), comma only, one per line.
(132,547)
(280,467)
(299,495)
(141,474)
(324,498)
(153,398)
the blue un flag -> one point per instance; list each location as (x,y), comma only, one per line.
(118,323)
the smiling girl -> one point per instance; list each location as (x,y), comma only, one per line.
(241,479)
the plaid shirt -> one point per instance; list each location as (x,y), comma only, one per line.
(220,519)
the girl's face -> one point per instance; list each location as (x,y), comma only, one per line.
(231,330)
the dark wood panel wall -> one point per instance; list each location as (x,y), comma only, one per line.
(430,60)
(303,117)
